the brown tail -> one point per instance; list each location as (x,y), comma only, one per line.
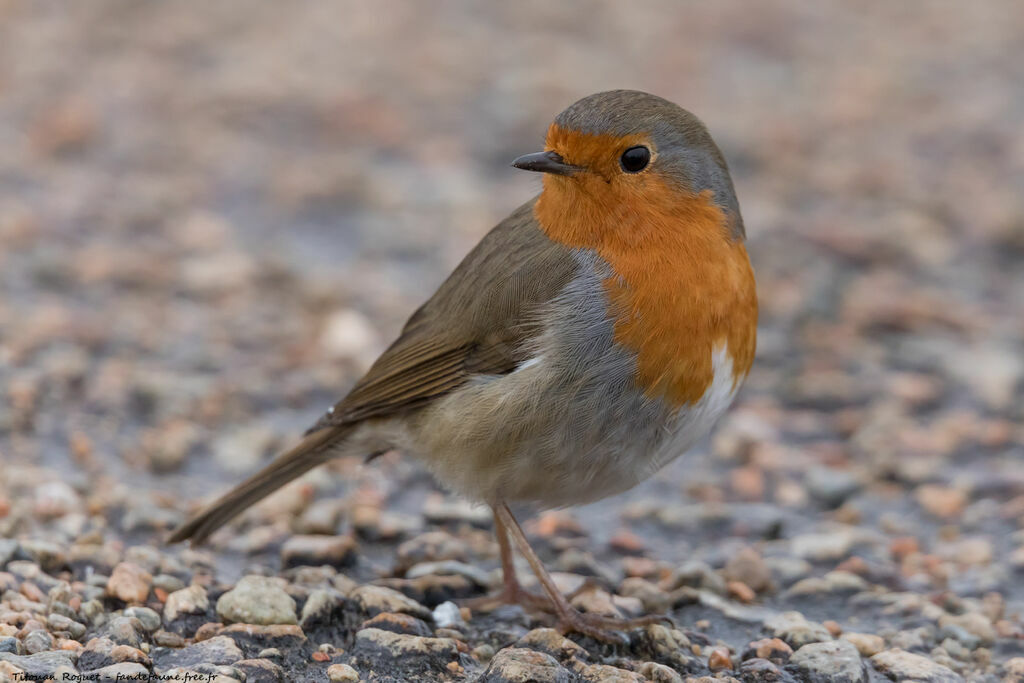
(313,450)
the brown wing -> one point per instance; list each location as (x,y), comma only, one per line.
(478,322)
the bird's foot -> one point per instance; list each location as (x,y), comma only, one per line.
(509,595)
(604,628)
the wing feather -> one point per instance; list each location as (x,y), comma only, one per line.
(481,321)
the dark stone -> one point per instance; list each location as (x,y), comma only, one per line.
(260,671)
(252,638)
(409,657)
(219,650)
(124,631)
(398,623)
(97,654)
(757,670)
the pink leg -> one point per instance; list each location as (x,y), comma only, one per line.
(569,618)
(512,592)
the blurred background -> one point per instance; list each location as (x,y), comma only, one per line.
(214,215)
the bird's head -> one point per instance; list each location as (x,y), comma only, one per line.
(622,165)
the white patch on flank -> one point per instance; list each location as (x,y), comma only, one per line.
(692,423)
(528,363)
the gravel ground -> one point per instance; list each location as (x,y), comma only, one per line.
(214,215)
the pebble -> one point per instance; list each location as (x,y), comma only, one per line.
(447,615)
(285,637)
(444,510)
(941,501)
(257,600)
(912,639)
(190,600)
(129,583)
(758,669)
(974,623)
(55,499)
(260,670)
(348,334)
(320,518)
(652,597)
(604,673)
(335,551)
(168,639)
(696,574)
(375,599)
(719,659)
(98,652)
(519,665)
(404,653)
(901,665)
(320,607)
(37,641)
(126,653)
(1014,668)
(831,486)
(123,630)
(596,602)
(432,546)
(833,582)
(149,619)
(552,642)
(772,649)
(867,644)
(837,661)
(168,583)
(748,567)
(659,673)
(219,650)
(796,630)
(671,647)
(398,623)
(208,630)
(823,547)
(401,643)
(342,673)
(449,567)
(788,570)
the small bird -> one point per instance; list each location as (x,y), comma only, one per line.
(590,338)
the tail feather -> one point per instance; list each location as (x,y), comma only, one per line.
(313,450)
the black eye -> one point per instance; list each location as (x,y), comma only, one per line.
(635,159)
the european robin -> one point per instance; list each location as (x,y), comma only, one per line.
(590,338)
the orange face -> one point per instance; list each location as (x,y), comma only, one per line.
(682,284)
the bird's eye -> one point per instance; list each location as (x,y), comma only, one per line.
(635,159)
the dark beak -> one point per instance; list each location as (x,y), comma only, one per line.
(545,162)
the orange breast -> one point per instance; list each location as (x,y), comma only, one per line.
(681,286)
